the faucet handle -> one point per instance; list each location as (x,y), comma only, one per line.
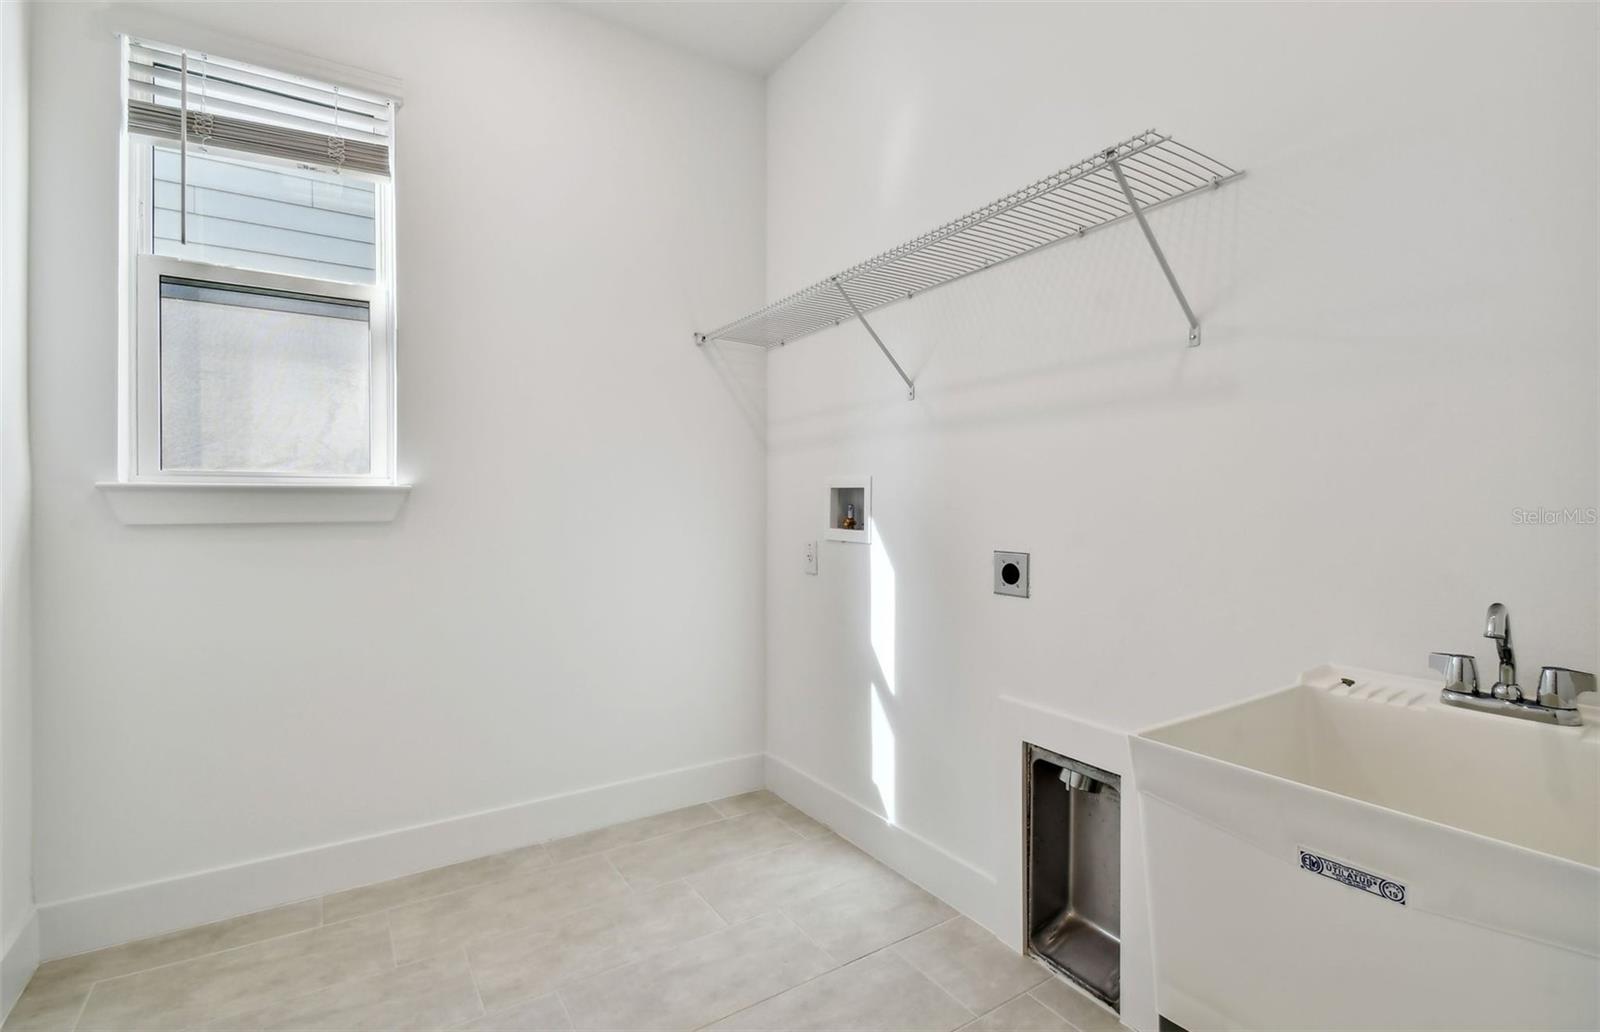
(1460,672)
(1559,687)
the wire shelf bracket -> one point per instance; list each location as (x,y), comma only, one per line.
(1155,247)
(1126,181)
(911,388)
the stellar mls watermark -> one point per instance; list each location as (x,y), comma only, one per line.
(1543,517)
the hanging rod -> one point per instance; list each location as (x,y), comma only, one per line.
(1125,181)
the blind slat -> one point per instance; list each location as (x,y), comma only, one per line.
(240,107)
(296,145)
(316,109)
(266,81)
(349,125)
(273,80)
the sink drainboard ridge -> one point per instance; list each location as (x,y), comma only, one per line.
(1390,694)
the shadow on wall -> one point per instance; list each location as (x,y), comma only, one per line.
(1071,331)
(743,371)
(1088,327)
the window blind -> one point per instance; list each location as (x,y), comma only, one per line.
(202,100)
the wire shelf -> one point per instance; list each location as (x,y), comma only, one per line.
(1155,168)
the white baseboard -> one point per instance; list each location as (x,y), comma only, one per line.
(18,962)
(70,926)
(954,880)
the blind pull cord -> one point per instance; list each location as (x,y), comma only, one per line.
(205,123)
(335,140)
(183,147)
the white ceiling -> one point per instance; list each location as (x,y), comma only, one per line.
(755,35)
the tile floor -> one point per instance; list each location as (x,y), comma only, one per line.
(739,914)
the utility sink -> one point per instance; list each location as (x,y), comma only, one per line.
(1349,852)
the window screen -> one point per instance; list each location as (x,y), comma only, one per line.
(263,382)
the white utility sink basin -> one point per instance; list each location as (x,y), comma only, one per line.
(1351,853)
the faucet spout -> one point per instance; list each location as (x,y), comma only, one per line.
(1497,626)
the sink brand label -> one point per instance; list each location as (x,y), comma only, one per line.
(1354,877)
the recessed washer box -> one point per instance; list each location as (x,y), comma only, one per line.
(1011,574)
(849,510)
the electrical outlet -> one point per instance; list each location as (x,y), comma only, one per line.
(811,558)
(1011,574)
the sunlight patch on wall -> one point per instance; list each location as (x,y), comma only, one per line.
(881,591)
(883,764)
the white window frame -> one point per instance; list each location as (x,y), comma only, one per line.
(140,461)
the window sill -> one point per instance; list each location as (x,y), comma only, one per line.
(155,504)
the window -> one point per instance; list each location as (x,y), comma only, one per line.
(261,337)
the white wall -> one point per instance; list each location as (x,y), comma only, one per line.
(572,596)
(18,938)
(1399,303)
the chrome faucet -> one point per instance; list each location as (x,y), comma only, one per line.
(1555,701)
(1498,627)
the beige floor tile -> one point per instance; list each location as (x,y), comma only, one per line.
(760,884)
(430,994)
(698,983)
(626,834)
(969,963)
(1081,1011)
(183,945)
(369,899)
(690,852)
(1024,1014)
(622,928)
(853,919)
(449,922)
(546,1014)
(747,802)
(803,825)
(189,992)
(47,1005)
(878,993)
(586,942)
